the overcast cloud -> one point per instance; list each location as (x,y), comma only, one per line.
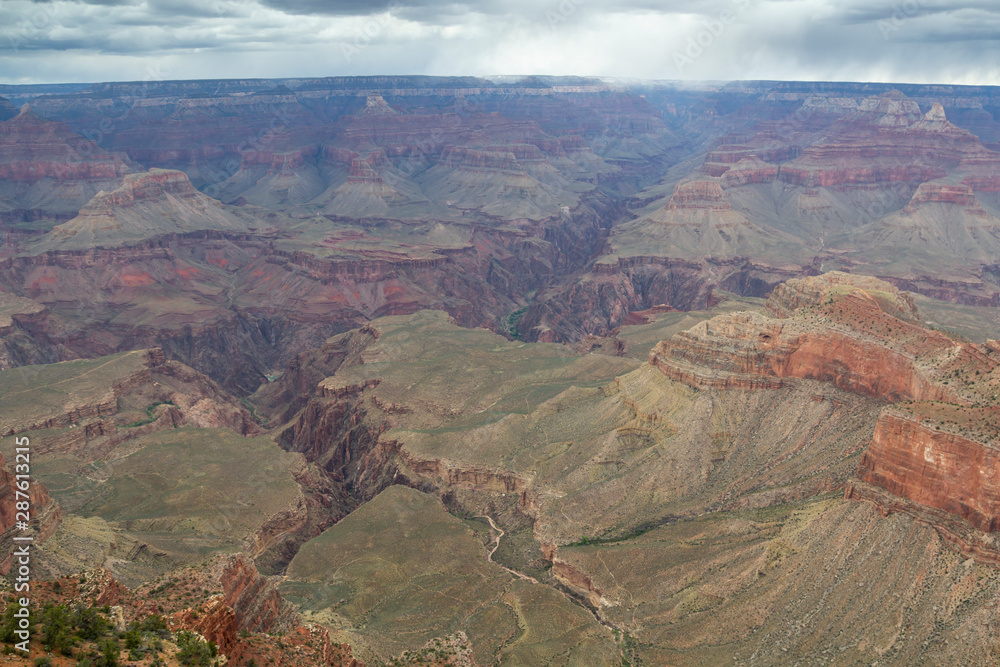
(929,41)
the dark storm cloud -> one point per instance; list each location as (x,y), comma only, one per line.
(90,2)
(365,7)
(902,40)
(429,11)
(878,11)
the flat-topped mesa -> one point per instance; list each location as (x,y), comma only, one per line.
(699,194)
(729,154)
(944,193)
(748,171)
(834,106)
(523,152)
(765,146)
(495,161)
(145,186)
(724,353)
(790,296)
(144,206)
(754,351)
(751,351)
(278,160)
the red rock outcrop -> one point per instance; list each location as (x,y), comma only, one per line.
(250,603)
(466,477)
(749,351)
(242,613)
(915,459)
(103,589)
(699,194)
(936,456)
(577,581)
(943,193)
(753,351)
(255,600)
(44,513)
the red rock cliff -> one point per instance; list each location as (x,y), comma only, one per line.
(752,351)
(916,460)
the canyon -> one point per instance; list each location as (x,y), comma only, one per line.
(420,370)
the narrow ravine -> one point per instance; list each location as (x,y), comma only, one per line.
(496,545)
(499,533)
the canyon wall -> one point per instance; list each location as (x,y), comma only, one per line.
(917,460)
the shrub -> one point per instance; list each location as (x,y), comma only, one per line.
(109,651)
(56,629)
(193,651)
(90,625)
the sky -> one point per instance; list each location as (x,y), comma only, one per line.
(918,41)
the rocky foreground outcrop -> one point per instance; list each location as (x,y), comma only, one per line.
(225,600)
(250,604)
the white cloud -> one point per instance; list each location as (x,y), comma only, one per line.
(908,40)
